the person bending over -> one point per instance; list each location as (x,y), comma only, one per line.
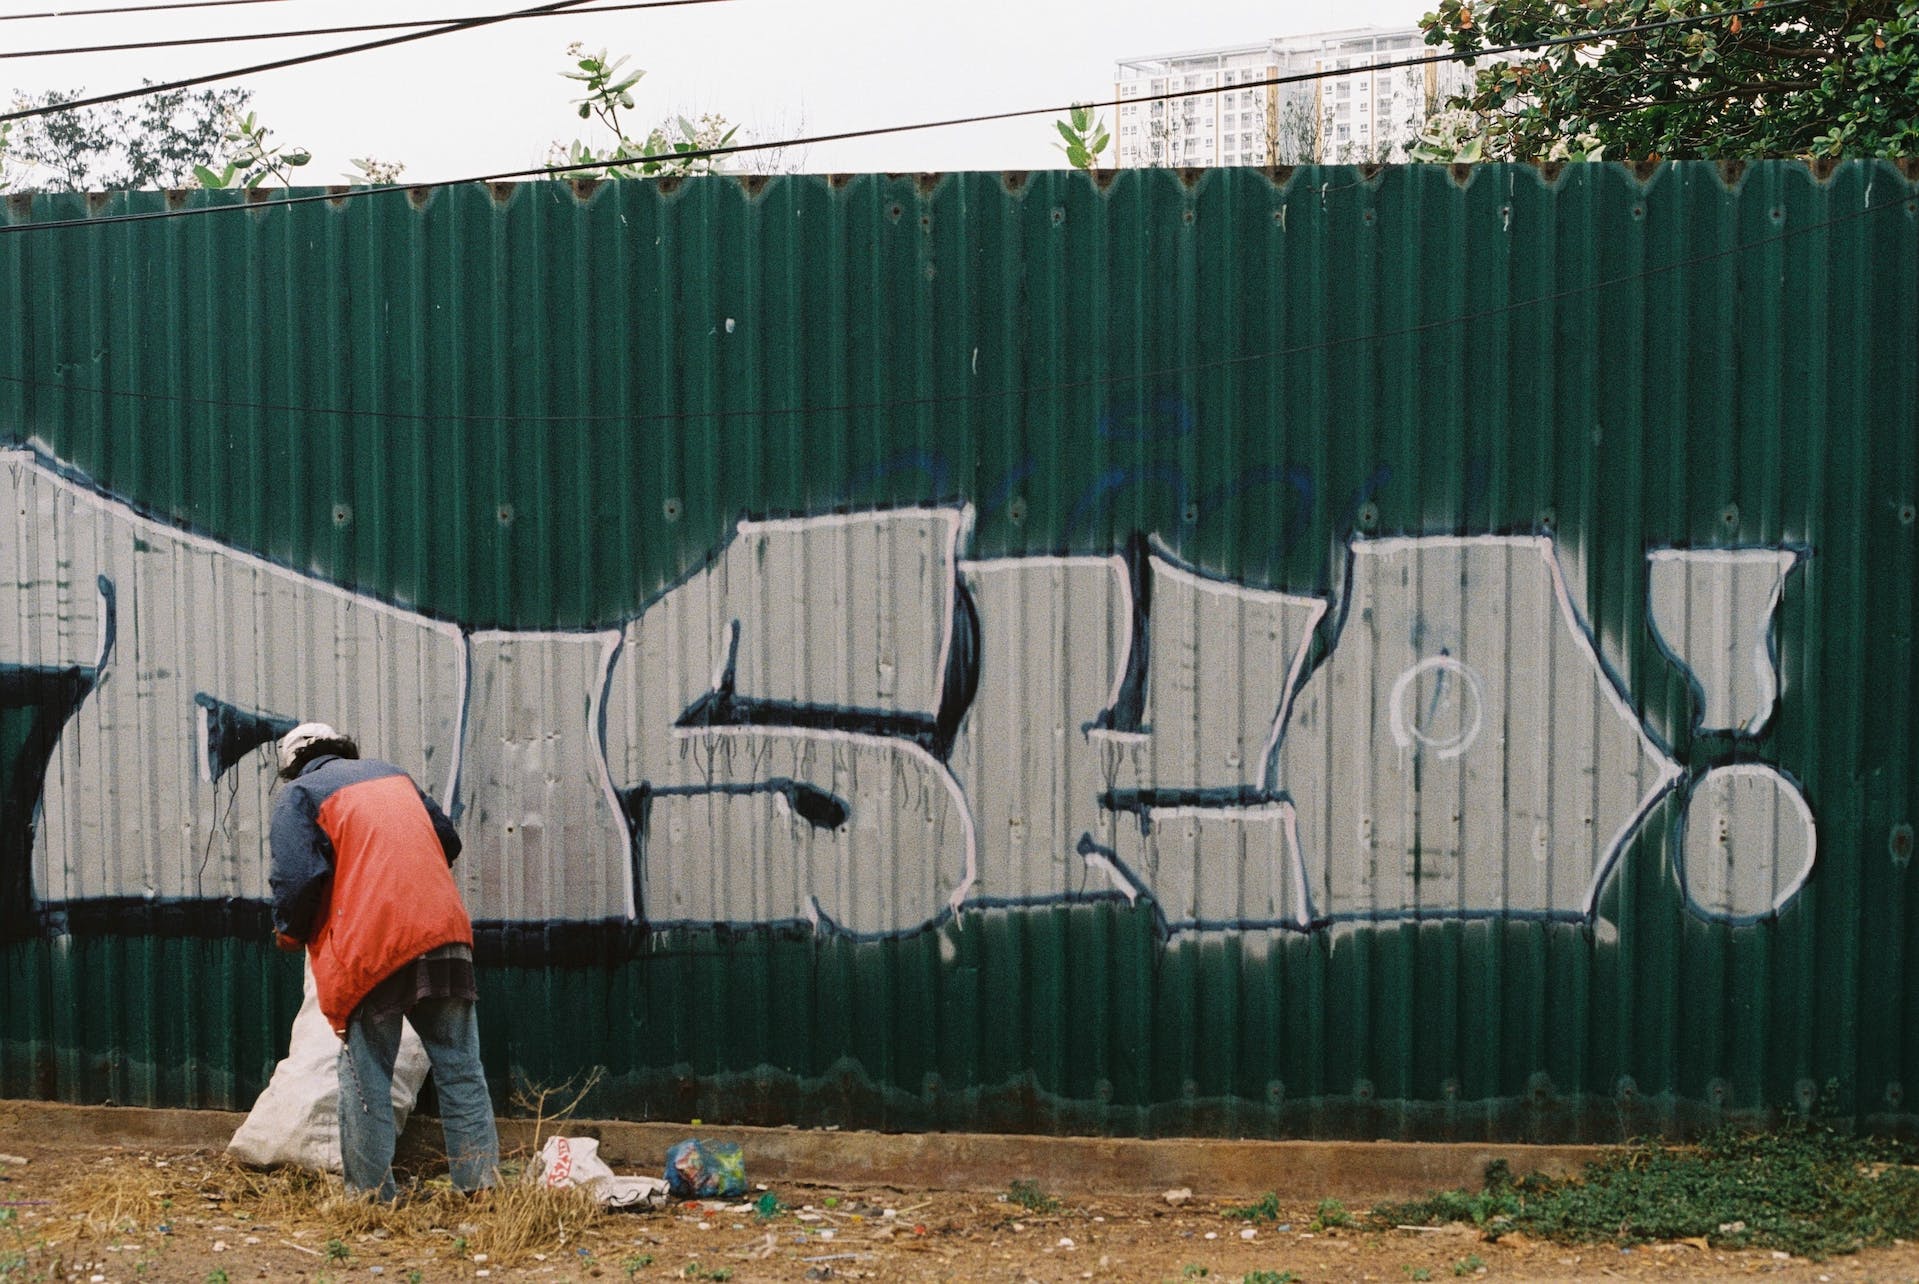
(361,880)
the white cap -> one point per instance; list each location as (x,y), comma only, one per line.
(302,736)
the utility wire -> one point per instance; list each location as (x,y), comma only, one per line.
(320,31)
(277,64)
(133,8)
(734,149)
(990,395)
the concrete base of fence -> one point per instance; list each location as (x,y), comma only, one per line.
(1297,1170)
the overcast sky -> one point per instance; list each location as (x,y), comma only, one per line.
(489,100)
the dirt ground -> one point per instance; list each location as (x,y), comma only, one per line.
(187,1215)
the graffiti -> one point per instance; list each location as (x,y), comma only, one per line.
(840,722)
(194,655)
(1211,839)
(805,780)
(1747,844)
(1504,770)
(1712,611)
(1748,840)
(534,802)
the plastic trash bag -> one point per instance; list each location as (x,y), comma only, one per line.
(698,1169)
(296,1119)
(575,1161)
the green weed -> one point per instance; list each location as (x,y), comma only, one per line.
(1263,1209)
(1469,1265)
(1803,1189)
(1417,1273)
(337,1251)
(637,1263)
(1330,1213)
(1269,1277)
(1028,1195)
(218,1275)
(694,1271)
(1194,1271)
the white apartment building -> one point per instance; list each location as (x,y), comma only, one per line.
(1362,114)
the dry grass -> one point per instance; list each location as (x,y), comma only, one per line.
(131,1193)
(134,1193)
(122,1193)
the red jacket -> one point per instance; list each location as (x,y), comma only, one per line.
(361,875)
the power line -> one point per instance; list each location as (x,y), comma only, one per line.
(319,31)
(734,149)
(133,8)
(1002,394)
(279,63)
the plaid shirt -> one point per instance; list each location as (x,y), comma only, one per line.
(445,973)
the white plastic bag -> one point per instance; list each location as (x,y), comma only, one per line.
(575,1161)
(297,1118)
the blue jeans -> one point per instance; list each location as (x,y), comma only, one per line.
(450,1029)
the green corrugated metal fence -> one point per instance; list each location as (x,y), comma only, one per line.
(546,411)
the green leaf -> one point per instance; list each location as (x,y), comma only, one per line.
(207,178)
(1066,132)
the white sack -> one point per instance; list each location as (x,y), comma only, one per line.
(575,1161)
(297,1118)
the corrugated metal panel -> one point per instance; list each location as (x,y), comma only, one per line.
(1345,653)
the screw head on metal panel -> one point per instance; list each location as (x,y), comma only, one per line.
(1899,843)
(1189,514)
(1806,1093)
(1719,1092)
(1548,520)
(1729,517)
(1627,1089)
(1368,515)
(1016,511)
(1895,1094)
(1275,1092)
(1362,1089)
(505,514)
(342,514)
(1449,1088)
(1102,1090)
(1907,513)
(672,508)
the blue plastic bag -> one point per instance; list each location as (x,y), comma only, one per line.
(698,1169)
